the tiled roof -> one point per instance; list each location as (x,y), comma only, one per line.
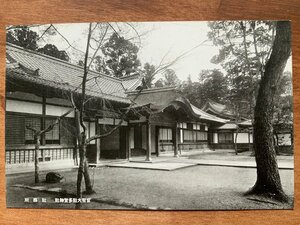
(246,123)
(130,83)
(159,99)
(227,126)
(207,116)
(217,108)
(61,74)
(233,126)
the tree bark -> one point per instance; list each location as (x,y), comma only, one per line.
(79,175)
(36,160)
(83,171)
(268,181)
(88,184)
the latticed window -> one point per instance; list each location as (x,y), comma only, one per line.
(194,136)
(193,132)
(165,135)
(225,137)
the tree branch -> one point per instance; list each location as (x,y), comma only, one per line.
(51,126)
(85,72)
(31,128)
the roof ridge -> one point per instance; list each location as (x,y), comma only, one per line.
(130,77)
(59,61)
(168,88)
(207,114)
(214,102)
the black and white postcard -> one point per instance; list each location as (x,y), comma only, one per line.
(149,115)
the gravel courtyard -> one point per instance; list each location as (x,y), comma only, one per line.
(192,188)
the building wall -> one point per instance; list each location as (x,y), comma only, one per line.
(215,138)
(110,145)
(193,146)
(23,107)
(241,138)
(58,148)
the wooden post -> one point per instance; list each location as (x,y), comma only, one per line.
(98,142)
(175,139)
(148,131)
(43,125)
(128,144)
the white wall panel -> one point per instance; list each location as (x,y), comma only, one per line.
(23,107)
(52,110)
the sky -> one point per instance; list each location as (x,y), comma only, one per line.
(159,40)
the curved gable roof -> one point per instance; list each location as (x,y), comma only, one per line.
(218,109)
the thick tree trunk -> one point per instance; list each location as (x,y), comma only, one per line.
(268,180)
(36,160)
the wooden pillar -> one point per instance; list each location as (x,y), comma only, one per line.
(157,141)
(175,139)
(148,131)
(43,126)
(98,142)
(128,139)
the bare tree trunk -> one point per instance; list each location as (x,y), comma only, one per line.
(83,171)
(83,164)
(79,175)
(80,172)
(36,160)
(268,181)
(88,184)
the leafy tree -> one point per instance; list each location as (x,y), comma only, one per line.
(120,56)
(213,85)
(268,180)
(170,78)
(245,47)
(23,37)
(190,90)
(100,65)
(149,72)
(26,38)
(254,59)
(159,83)
(53,51)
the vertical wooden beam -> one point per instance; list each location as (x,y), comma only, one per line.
(128,139)
(43,125)
(148,131)
(98,141)
(157,141)
(175,140)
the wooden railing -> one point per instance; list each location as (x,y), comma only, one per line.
(22,155)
